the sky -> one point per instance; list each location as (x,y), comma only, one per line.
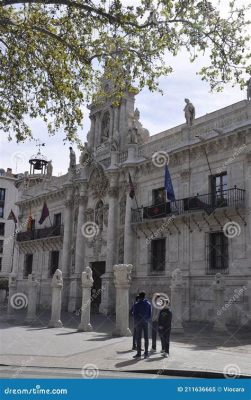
(157,113)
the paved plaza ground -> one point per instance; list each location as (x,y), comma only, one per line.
(63,352)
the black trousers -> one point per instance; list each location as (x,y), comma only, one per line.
(142,326)
(154,334)
(134,338)
(165,339)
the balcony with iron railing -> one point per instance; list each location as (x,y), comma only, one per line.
(200,203)
(43,233)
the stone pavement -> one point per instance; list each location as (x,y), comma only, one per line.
(197,351)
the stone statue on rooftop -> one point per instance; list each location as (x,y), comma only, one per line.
(189,112)
(72,159)
(249,89)
(49,169)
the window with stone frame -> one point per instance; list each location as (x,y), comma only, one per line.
(158,255)
(2,195)
(28,261)
(158,196)
(219,189)
(1,246)
(1,263)
(218,252)
(54,262)
(2,228)
(57,219)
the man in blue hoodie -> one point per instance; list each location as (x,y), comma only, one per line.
(142,311)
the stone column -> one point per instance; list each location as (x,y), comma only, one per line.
(128,232)
(12,291)
(79,250)
(32,299)
(107,298)
(122,281)
(68,221)
(87,283)
(57,285)
(219,309)
(176,301)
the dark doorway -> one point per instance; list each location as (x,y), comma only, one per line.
(98,269)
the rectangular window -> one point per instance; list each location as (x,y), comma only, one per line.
(218,251)
(28,265)
(57,219)
(2,195)
(54,261)
(0,263)
(1,246)
(2,225)
(219,189)
(1,211)
(158,255)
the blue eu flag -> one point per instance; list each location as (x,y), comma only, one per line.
(169,186)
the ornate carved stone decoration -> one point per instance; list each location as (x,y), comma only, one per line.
(106,210)
(96,244)
(89,214)
(98,182)
(113,191)
(105,127)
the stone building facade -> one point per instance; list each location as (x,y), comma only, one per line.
(94,222)
(8,197)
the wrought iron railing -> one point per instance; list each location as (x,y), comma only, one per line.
(52,231)
(207,202)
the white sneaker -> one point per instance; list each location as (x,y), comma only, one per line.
(162,351)
(166,355)
(153,350)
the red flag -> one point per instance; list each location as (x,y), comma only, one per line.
(132,189)
(44,214)
(12,217)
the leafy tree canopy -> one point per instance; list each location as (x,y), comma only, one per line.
(53,53)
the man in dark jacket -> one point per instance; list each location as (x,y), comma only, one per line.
(134,339)
(165,321)
(142,313)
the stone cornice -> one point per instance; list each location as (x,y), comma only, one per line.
(39,199)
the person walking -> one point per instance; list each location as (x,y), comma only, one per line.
(134,338)
(164,322)
(142,314)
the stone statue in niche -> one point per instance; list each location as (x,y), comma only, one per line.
(105,127)
(189,112)
(132,137)
(99,215)
(114,142)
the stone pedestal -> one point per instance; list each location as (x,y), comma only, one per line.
(219,310)
(132,153)
(12,291)
(32,299)
(176,301)
(87,283)
(57,285)
(122,281)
